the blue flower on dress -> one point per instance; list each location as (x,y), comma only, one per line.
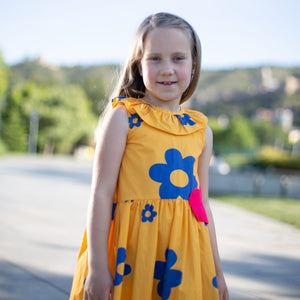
(145,213)
(162,173)
(127,201)
(119,98)
(113,210)
(214,282)
(134,120)
(168,278)
(186,119)
(121,256)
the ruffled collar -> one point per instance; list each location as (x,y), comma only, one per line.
(180,122)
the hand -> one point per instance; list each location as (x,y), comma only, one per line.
(98,286)
(223,291)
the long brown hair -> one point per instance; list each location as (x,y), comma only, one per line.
(131,82)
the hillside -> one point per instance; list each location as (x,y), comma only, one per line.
(234,91)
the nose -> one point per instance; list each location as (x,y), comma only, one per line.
(167,68)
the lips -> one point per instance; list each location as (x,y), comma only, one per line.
(167,82)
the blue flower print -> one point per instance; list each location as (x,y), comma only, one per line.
(185,120)
(134,120)
(168,278)
(145,213)
(121,256)
(162,173)
(214,282)
(127,201)
(119,98)
(113,210)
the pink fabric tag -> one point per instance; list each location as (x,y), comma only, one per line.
(196,204)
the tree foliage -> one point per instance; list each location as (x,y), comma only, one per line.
(14,133)
(3,78)
(268,133)
(237,136)
(65,117)
(96,81)
(68,100)
(3,89)
(240,134)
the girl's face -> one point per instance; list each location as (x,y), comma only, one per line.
(166,66)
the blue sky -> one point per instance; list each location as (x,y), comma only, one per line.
(233,33)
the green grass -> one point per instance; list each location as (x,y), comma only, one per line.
(284,210)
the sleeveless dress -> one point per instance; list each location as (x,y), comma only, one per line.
(159,245)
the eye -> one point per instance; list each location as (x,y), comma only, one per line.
(154,58)
(178,58)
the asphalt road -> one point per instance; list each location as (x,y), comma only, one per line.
(43,203)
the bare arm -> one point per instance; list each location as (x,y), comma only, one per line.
(110,147)
(203,178)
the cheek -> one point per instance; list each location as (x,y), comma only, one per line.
(185,74)
(148,73)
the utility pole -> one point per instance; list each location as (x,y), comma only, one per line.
(33,132)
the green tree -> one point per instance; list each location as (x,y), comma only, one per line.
(96,81)
(239,135)
(219,136)
(3,88)
(267,133)
(36,71)
(14,132)
(65,118)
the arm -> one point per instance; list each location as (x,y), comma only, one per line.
(111,143)
(203,167)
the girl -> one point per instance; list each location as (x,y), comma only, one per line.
(150,231)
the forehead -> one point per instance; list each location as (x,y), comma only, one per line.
(172,39)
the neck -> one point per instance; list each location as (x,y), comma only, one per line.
(167,105)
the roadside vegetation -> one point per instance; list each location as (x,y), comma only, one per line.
(281,209)
(254,112)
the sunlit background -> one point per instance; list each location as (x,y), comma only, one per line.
(233,33)
(59,61)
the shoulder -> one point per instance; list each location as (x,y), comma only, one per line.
(208,135)
(207,149)
(116,115)
(114,122)
(119,114)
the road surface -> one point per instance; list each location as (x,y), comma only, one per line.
(43,203)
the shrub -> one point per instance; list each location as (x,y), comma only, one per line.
(273,157)
(3,148)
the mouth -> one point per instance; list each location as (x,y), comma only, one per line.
(167,82)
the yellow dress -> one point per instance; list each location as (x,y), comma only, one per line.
(159,246)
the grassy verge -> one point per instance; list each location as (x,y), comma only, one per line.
(284,210)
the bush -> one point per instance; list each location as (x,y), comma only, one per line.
(3,149)
(14,132)
(273,157)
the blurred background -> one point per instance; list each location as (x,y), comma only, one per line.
(59,61)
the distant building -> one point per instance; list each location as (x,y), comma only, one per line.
(284,117)
(269,83)
(292,84)
(281,116)
(264,114)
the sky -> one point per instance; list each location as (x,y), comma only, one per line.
(233,33)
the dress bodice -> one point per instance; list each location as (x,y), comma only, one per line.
(162,151)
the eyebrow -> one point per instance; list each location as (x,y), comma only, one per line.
(173,53)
